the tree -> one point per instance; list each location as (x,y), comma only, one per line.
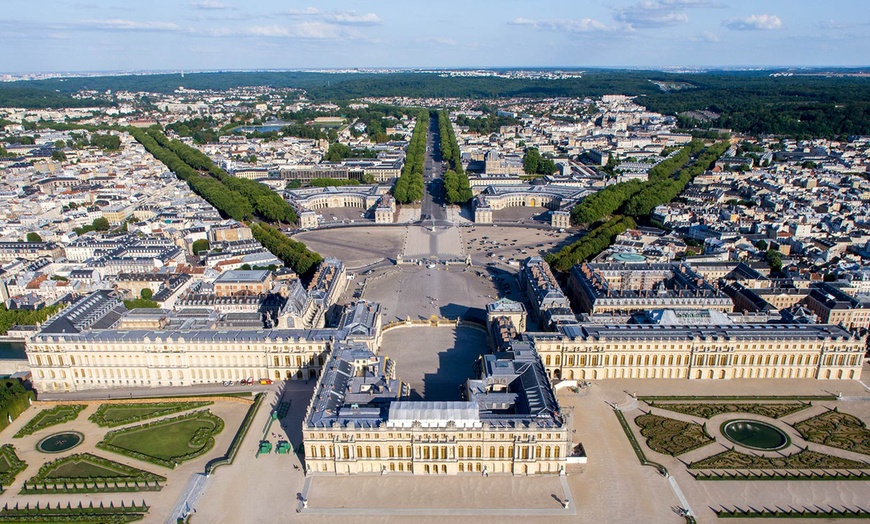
(774,260)
(33,237)
(101,224)
(531,160)
(294,183)
(245,267)
(199,246)
(146,293)
(761,245)
(58,156)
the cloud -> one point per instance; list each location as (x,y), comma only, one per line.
(353,18)
(119,24)
(301,31)
(659,13)
(581,25)
(209,5)
(342,17)
(753,23)
(706,36)
(437,40)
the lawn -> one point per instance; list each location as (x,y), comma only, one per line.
(111,415)
(50,417)
(166,442)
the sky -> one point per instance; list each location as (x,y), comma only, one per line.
(125,35)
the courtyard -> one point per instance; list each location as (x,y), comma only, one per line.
(435,361)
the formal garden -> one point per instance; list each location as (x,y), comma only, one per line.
(671,437)
(704,410)
(166,442)
(838,430)
(113,415)
(50,417)
(88,473)
(10,465)
(805,459)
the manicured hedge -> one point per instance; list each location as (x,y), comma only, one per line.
(230,455)
(51,417)
(45,479)
(11,465)
(102,417)
(200,441)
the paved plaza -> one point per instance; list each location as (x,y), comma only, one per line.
(435,361)
(356,246)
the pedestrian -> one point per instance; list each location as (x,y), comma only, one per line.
(567,503)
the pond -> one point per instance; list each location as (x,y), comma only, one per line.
(60,442)
(755,435)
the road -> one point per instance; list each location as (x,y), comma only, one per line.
(432,210)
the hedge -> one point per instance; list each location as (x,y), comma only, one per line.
(160,409)
(50,417)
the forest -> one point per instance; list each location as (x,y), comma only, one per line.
(747,101)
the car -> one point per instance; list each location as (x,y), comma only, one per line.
(265,381)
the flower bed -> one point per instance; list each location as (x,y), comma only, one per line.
(838,430)
(671,437)
(50,417)
(112,415)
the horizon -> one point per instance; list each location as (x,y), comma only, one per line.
(83,36)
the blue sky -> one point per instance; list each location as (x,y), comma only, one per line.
(103,35)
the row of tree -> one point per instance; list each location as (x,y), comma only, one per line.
(610,199)
(294,254)
(261,200)
(13,317)
(409,186)
(338,152)
(449,147)
(457,189)
(660,191)
(590,245)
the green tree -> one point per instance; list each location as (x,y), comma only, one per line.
(33,237)
(199,246)
(531,160)
(101,224)
(146,293)
(58,156)
(761,245)
(774,260)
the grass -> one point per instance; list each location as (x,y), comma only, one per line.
(112,415)
(10,465)
(671,437)
(50,417)
(88,473)
(806,459)
(166,442)
(709,410)
(730,398)
(838,430)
